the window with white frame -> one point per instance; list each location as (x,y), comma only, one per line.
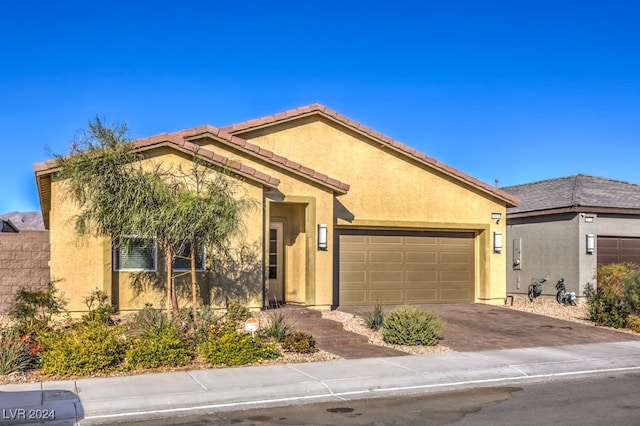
(182,260)
(135,253)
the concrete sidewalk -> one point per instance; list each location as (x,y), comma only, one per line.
(118,399)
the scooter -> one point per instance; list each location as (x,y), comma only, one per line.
(563,296)
(535,288)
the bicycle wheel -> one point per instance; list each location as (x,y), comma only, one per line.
(531,293)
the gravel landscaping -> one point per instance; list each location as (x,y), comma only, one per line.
(356,324)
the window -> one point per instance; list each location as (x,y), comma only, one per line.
(182,260)
(135,254)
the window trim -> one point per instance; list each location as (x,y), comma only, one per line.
(116,255)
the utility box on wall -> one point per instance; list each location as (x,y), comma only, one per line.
(517,253)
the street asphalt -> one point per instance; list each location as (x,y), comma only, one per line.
(152,396)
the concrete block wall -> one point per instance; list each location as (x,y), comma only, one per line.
(24,263)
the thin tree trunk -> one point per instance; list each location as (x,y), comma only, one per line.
(194,283)
(169,259)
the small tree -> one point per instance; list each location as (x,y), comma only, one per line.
(119,195)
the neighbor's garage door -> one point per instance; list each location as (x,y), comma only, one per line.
(397,268)
(618,250)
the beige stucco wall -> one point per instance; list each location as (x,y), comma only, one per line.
(388,190)
(83,264)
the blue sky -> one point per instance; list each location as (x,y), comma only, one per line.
(516,90)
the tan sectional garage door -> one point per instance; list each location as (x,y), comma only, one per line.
(396,268)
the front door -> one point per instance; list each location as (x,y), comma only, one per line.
(276,262)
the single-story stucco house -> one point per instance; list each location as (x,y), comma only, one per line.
(345,216)
(567,227)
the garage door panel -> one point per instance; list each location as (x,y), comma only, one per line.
(405,268)
(421,276)
(388,296)
(421,257)
(386,257)
(421,295)
(385,276)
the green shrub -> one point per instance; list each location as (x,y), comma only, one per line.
(278,326)
(149,320)
(34,310)
(409,325)
(99,307)
(233,348)
(631,290)
(299,342)
(14,352)
(159,348)
(633,323)
(610,278)
(198,327)
(374,318)
(83,349)
(237,312)
(606,310)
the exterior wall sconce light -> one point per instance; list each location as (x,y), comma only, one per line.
(497,242)
(591,243)
(323,235)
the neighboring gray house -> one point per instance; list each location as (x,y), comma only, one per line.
(566,227)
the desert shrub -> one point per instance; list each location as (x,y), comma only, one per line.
(233,348)
(631,291)
(83,349)
(14,352)
(160,347)
(149,320)
(409,325)
(374,318)
(198,327)
(99,307)
(34,310)
(633,323)
(606,310)
(237,311)
(299,342)
(610,278)
(277,327)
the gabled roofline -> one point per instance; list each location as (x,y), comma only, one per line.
(264,154)
(399,147)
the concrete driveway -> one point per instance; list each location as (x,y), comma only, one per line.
(479,327)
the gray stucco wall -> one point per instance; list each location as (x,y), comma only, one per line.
(549,248)
(556,246)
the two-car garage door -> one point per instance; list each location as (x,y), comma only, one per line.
(405,267)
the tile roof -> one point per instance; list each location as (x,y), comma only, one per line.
(398,146)
(582,191)
(182,141)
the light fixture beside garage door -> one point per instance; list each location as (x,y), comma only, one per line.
(497,242)
(591,243)
(323,235)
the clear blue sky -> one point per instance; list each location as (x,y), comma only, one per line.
(515,90)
